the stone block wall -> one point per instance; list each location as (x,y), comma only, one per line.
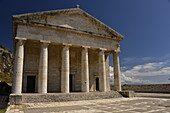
(155,88)
(60,97)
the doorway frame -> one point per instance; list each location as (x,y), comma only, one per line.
(30,73)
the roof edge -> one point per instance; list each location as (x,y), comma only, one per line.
(42,14)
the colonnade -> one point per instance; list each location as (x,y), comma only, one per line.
(65,66)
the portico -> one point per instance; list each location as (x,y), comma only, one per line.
(61,56)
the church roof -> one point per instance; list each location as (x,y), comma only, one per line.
(26,18)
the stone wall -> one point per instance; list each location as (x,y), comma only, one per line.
(155,88)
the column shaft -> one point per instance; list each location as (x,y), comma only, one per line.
(117,79)
(65,70)
(18,68)
(102,71)
(84,71)
(43,69)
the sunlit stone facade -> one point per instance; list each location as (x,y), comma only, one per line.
(63,51)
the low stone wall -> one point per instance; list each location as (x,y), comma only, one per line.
(155,88)
(59,97)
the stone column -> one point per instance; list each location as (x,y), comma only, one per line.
(18,67)
(65,69)
(107,73)
(102,71)
(84,70)
(117,79)
(43,68)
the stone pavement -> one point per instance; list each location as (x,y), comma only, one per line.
(114,105)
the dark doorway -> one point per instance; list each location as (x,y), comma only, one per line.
(71,82)
(97,83)
(30,84)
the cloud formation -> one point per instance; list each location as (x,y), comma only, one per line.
(149,69)
(146,70)
(127,79)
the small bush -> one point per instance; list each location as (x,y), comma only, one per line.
(5,77)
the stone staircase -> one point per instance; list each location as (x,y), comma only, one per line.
(60,97)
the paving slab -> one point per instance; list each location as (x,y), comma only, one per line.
(113,105)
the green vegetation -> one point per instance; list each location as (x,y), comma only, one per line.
(4,110)
(5,77)
(1,46)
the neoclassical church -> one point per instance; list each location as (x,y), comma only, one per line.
(63,51)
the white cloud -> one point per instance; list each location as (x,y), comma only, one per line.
(152,70)
(136,73)
(149,69)
(126,79)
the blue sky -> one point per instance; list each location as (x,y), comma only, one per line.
(145,57)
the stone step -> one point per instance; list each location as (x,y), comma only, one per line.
(60,97)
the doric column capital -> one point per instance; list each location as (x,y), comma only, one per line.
(116,51)
(102,49)
(20,39)
(45,43)
(85,47)
(65,44)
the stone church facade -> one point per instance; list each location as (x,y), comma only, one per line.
(63,51)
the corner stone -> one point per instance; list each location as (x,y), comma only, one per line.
(129,94)
(15,99)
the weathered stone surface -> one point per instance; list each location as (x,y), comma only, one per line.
(66,18)
(74,60)
(15,99)
(60,97)
(157,88)
(129,94)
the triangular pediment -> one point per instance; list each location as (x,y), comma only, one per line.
(73,19)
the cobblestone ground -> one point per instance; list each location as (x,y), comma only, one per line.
(114,105)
